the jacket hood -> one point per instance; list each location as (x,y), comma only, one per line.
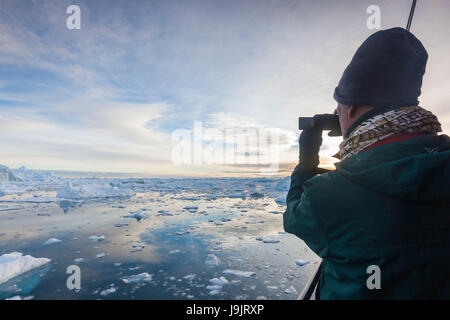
(417,169)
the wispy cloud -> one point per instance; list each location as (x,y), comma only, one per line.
(108,96)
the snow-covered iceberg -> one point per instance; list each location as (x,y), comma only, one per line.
(7,175)
(15,263)
(93,190)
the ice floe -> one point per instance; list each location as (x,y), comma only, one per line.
(97,237)
(138,215)
(239,273)
(15,263)
(108,291)
(290,290)
(93,189)
(301,263)
(51,241)
(141,277)
(212,260)
(190,277)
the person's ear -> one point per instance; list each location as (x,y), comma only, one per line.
(351,112)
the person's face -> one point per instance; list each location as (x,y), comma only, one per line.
(343,113)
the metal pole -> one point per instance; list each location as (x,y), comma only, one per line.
(308,290)
(411,14)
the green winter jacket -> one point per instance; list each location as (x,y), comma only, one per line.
(388,206)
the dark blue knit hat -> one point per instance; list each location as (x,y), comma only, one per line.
(387,69)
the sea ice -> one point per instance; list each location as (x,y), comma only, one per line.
(290,290)
(190,277)
(138,215)
(100,237)
(212,260)
(51,241)
(108,291)
(219,281)
(15,263)
(301,263)
(88,189)
(239,273)
(142,277)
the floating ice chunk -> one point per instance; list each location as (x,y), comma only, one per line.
(108,291)
(261,298)
(117,264)
(51,241)
(219,281)
(97,237)
(190,277)
(20,298)
(138,215)
(301,263)
(272,288)
(14,264)
(290,290)
(78,260)
(92,190)
(174,251)
(239,273)
(214,292)
(142,277)
(212,260)
(101,255)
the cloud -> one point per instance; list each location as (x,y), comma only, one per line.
(108,96)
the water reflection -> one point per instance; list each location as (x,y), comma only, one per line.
(182,228)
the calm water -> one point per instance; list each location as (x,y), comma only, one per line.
(172,243)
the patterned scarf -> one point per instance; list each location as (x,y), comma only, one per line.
(398,121)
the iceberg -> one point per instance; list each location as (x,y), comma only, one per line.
(239,273)
(7,175)
(142,277)
(92,190)
(15,263)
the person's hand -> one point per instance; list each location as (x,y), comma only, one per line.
(309,144)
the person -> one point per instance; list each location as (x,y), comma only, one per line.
(381,220)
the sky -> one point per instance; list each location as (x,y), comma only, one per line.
(143,83)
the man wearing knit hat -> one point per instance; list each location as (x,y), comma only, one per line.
(386,207)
